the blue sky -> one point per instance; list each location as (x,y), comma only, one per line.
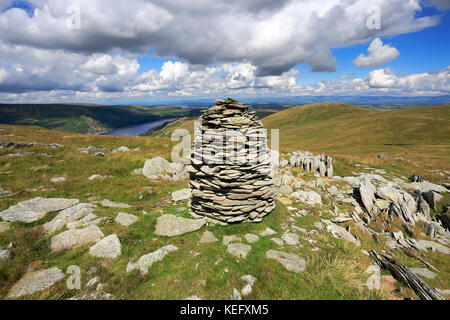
(147,50)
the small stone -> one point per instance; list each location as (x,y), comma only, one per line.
(249,279)
(108,247)
(239,250)
(267,232)
(92,282)
(208,237)
(229,239)
(181,195)
(101,287)
(5,255)
(374,281)
(246,290)
(290,261)
(236,295)
(111,204)
(169,225)
(250,237)
(194,297)
(146,261)
(290,238)
(92,270)
(278,241)
(126,219)
(58,180)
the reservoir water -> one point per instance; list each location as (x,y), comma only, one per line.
(137,129)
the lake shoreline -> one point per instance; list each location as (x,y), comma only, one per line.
(138,129)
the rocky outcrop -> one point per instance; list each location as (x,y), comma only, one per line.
(231,167)
(13,145)
(160,168)
(35,209)
(320,165)
(75,238)
(35,281)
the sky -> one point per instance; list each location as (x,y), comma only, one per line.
(142,51)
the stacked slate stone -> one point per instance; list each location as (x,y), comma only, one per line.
(230,172)
(320,165)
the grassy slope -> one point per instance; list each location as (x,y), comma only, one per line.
(187,123)
(86,118)
(421,135)
(331,274)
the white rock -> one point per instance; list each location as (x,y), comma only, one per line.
(126,219)
(146,261)
(68,215)
(239,250)
(249,237)
(58,180)
(35,209)
(35,281)
(111,204)
(290,238)
(108,247)
(267,232)
(92,282)
(229,239)
(75,238)
(308,197)
(290,261)
(208,237)
(181,195)
(169,225)
(155,166)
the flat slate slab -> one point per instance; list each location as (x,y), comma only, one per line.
(75,238)
(169,225)
(35,209)
(146,261)
(290,261)
(35,281)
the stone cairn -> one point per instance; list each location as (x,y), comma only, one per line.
(230,172)
(320,165)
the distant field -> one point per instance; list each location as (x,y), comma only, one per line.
(421,135)
(188,124)
(82,118)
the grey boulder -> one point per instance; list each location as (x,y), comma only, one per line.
(35,209)
(169,225)
(108,247)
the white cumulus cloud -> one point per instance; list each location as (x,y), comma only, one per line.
(379,54)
